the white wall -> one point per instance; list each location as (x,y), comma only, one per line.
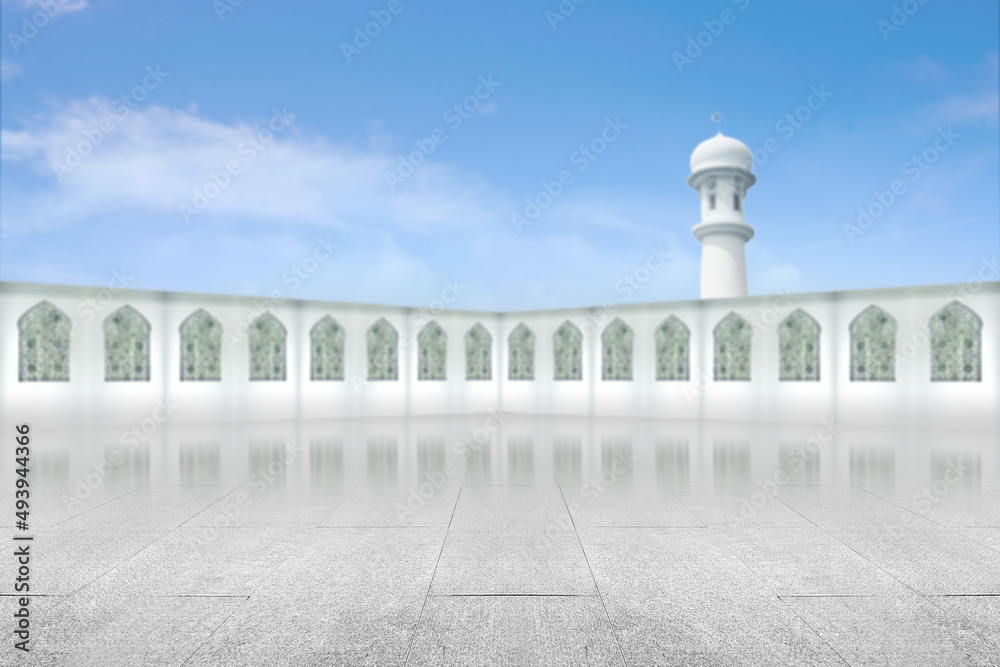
(911,399)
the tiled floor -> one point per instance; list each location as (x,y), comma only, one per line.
(424,557)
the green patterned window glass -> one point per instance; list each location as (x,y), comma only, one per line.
(873,346)
(126,346)
(326,349)
(673,350)
(433,350)
(201,348)
(43,334)
(956,344)
(616,351)
(478,354)
(383,351)
(732,349)
(798,348)
(567,352)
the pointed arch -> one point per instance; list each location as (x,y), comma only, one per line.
(43,344)
(616,351)
(673,350)
(732,336)
(201,348)
(873,346)
(432,343)
(956,344)
(478,353)
(126,346)
(268,340)
(326,350)
(521,344)
(798,347)
(567,352)
(383,351)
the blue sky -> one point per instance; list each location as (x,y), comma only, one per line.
(159,99)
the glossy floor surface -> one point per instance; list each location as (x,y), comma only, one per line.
(509,540)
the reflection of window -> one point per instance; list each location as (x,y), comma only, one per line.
(567,353)
(382,342)
(326,344)
(201,348)
(44,344)
(732,349)
(478,354)
(873,346)
(956,341)
(522,353)
(126,346)
(672,350)
(616,346)
(267,348)
(798,348)
(433,349)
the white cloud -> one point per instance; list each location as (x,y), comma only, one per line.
(154,159)
(8,70)
(57,7)
(442,224)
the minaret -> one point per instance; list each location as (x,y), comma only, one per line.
(720,172)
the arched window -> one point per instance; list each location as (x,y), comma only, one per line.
(798,348)
(326,344)
(616,351)
(522,353)
(478,354)
(433,347)
(383,345)
(126,346)
(873,346)
(267,349)
(673,350)
(732,349)
(956,344)
(567,353)
(44,344)
(201,348)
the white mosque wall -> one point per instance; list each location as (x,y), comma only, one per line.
(912,399)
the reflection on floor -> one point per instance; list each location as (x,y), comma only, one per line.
(508,539)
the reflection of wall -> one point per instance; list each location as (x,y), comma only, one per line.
(912,398)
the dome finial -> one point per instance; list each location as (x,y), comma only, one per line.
(717,119)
